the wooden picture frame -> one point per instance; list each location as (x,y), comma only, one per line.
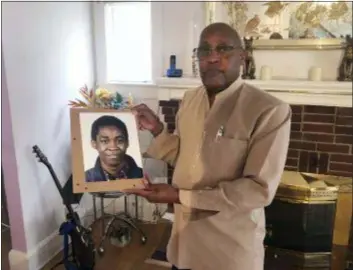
(87,174)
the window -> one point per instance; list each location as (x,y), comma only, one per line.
(128,40)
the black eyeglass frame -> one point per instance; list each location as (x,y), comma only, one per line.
(221,50)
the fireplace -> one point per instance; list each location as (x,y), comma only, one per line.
(320,142)
(322,123)
(321,130)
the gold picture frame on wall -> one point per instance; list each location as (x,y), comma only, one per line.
(106,155)
(278,25)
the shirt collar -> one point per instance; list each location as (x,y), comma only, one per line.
(227,92)
(121,174)
(231,89)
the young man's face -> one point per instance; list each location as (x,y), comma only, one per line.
(111,145)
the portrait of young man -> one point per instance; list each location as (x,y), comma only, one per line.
(109,136)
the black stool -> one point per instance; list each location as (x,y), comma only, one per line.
(125,222)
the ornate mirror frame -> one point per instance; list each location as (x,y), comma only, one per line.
(237,15)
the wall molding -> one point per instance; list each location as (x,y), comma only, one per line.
(300,92)
(39,256)
(10,168)
(49,247)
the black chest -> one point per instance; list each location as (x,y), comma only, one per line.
(302,216)
(306,227)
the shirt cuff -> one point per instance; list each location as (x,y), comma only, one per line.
(202,199)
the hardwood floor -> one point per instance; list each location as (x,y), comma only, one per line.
(5,230)
(131,257)
(5,248)
(339,255)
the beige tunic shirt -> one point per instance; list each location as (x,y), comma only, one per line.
(228,162)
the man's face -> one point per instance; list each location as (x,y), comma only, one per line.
(219,60)
(111,145)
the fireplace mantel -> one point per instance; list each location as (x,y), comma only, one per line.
(324,93)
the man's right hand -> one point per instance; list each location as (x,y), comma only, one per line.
(147,119)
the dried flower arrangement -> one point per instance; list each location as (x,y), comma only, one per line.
(101,98)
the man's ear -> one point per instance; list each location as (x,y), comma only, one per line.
(242,55)
(94,144)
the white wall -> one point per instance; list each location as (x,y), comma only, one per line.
(47,50)
(288,64)
(177,38)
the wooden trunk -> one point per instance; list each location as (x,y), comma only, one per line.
(349,260)
(343,215)
(302,216)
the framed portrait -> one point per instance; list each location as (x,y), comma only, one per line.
(286,24)
(106,155)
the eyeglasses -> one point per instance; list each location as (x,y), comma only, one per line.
(221,50)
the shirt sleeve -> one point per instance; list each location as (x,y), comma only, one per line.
(165,146)
(262,171)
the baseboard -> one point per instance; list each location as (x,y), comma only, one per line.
(45,251)
(159,263)
(18,260)
(36,258)
(48,248)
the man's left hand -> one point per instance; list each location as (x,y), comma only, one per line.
(157,193)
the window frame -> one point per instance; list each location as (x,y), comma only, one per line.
(99,44)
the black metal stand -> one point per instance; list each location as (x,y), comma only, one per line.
(83,251)
(108,230)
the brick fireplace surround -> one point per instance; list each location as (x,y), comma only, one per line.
(320,142)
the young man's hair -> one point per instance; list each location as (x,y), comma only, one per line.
(108,121)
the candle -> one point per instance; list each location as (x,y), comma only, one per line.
(315,74)
(196,34)
(266,73)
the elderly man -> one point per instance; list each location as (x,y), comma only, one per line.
(229,151)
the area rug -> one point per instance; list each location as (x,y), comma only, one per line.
(159,256)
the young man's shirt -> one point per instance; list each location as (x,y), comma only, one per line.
(130,170)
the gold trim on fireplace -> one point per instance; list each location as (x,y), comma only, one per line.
(304,194)
(298,254)
(304,201)
(309,92)
(299,44)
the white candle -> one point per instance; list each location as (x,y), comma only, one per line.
(315,74)
(266,73)
(197,33)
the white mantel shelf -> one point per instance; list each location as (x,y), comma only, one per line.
(324,93)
